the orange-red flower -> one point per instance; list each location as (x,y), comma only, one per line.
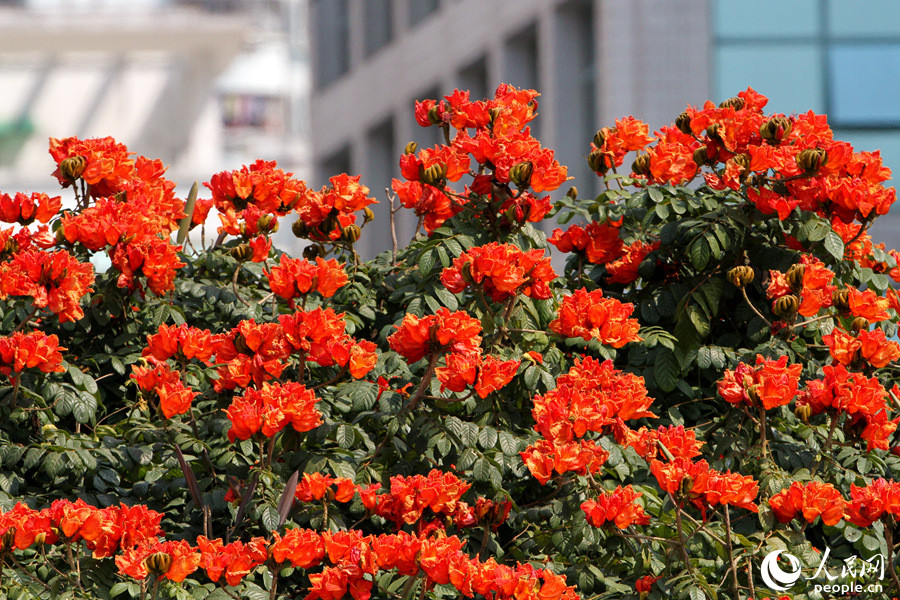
(704,486)
(544,458)
(680,442)
(180,342)
(181,561)
(55,281)
(589,315)
(33,350)
(618,507)
(304,548)
(816,286)
(235,560)
(869,504)
(444,331)
(868,305)
(270,409)
(24,209)
(502,270)
(771,383)
(294,277)
(599,242)
(812,500)
(107,166)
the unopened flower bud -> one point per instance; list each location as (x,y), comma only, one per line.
(435,174)
(572,193)
(712,132)
(520,174)
(701,157)
(242,252)
(858,324)
(599,138)
(267,224)
(368,215)
(786,306)
(734,102)
(803,412)
(753,394)
(466,273)
(72,168)
(741,276)
(8,539)
(683,123)
(240,344)
(12,246)
(794,277)
(158,563)
(40,538)
(300,228)
(410,148)
(434,115)
(775,129)
(687,484)
(811,160)
(350,233)
(598,162)
(311,252)
(840,299)
(743,161)
(641,165)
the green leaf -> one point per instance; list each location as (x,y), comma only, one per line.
(426,261)
(508,444)
(700,253)
(666,370)
(84,408)
(345,435)
(834,245)
(487,438)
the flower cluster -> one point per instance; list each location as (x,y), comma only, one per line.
(271,408)
(589,315)
(158,378)
(318,336)
(870,503)
(862,399)
(592,396)
(703,486)
(34,350)
(500,142)
(662,442)
(871,347)
(293,277)
(134,213)
(502,271)
(770,384)
(53,280)
(811,500)
(783,162)
(600,244)
(104,530)
(807,284)
(618,506)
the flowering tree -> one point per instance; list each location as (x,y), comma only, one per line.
(709,382)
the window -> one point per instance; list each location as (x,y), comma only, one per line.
(378,24)
(864,85)
(332,35)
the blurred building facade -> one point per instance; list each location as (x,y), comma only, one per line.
(829,56)
(592,60)
(204,85)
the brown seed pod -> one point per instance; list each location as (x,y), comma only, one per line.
(840,299)
(242,252)
(794,277)
(859,324)
(598,162)
(683,123)
(811,160)
(787,306)
(803,412)
(641,165)
(775,129)
(741,276)
(350,233)
(435,175)
(520,174)
(72,168)
(734,102)
(158,563)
